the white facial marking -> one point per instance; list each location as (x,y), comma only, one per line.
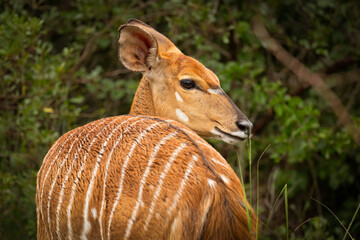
(216,133)
(186,77)
(221,136)
(231,137)
(225,179)
(211,183)
(215,91)
(182,116)
(93,213)
(178,97)
(240,134)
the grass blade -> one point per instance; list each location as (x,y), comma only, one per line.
(347,232)
(242,182)
(257,191)
(249,155)
(307,220)
(352,220)
(272,209)
(286,213)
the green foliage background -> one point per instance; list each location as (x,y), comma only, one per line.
(59,70)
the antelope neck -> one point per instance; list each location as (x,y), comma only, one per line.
(143,100)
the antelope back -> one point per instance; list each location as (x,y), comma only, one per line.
(132,177)
(177,86)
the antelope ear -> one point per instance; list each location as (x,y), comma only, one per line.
(138,48)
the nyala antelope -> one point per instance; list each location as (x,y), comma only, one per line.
(149,174)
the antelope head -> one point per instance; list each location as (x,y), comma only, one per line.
(177,86)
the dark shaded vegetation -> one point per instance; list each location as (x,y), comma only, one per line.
(59,69)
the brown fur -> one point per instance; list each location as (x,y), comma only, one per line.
(202,211)
(138,177)
(141,48)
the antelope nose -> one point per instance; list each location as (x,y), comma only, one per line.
(245,126)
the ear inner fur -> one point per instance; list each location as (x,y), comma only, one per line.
(137,48)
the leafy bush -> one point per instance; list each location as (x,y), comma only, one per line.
(59,69)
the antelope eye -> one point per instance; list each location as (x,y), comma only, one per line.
(187,84)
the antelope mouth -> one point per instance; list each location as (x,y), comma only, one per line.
(232,137)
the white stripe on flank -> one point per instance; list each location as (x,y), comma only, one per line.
(87,225)
(178,97)
(182,185)
(54,160)
(137,140)
(48,154)
(206,203)
(170,121)
(189,132)
(103,203)
(220,163)
(78,175)
(49,168)
(202,142)
(207,145)
(57,174)
(64,182)
(94,213)
(181,115)
(225,179)
(39,210)
(173,227)
(211,183)
(162,176)
(143,181)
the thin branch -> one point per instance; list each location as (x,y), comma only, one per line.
(304,74)
(307,220)
(90,47)
(114,73)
